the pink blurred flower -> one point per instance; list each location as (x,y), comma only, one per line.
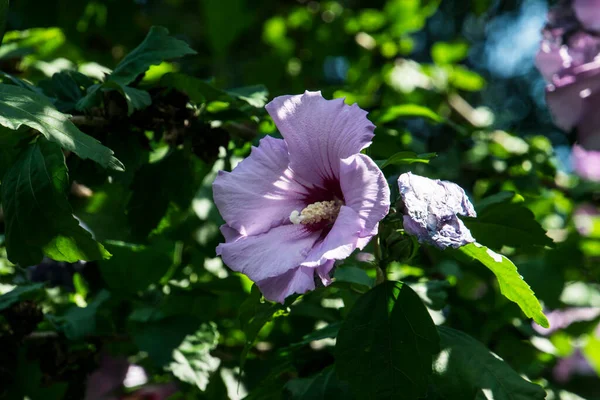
(114,373)
(575,364)
(586,163)
(560,319)
(569,60)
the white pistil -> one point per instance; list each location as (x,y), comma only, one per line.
(317,212)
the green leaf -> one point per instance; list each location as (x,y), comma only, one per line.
(19,293)
(225,21)
(65,88)
(324,385)
(197,90)
(137,99)
(352,274)
(9,79)
(511,283)
(449,53)
(192,362)
(254,314)
(28,381)
(406,111)
(133,267)
(465,369)
(39,218)
(92,98)
(406,157)
(328,332)
(271,387)
(433,293)
(507,224)
(500,197)
(145,212)
(156,47)
(462,78)
(77,322)
(385,345)
(591,350)
(19,106)
(255,95)
(9,146)
(160,338)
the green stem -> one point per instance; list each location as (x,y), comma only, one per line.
(380,278)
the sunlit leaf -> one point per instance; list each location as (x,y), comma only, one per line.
(20,106)
(406,157)
(462,78)
(192,362)
(449,53)
(406,111)
(511,283)
(156,47)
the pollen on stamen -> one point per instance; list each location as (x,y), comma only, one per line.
(317,212)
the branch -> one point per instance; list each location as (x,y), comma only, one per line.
(82,120)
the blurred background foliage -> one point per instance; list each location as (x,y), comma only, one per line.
(164,315)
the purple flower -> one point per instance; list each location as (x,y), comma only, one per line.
(586,163)
(296,205)
(588,12)
(569,60)
(431,208)
(573,365)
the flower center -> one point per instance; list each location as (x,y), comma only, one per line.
(320,211)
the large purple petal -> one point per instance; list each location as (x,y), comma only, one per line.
(566,98)
(366,191)
(261,192)
(588,127)
(269,254)
(588,13)
(230,234)
(319,133)
(340,242)
(550,59)
(323,272)
(586,163)
(431,211)
(298,280)
(582,48)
